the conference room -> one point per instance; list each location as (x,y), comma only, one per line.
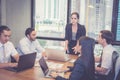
(49,19)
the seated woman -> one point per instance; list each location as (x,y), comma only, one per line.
(83,68)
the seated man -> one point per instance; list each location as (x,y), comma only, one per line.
(7,49)
(105,38)
(29,44)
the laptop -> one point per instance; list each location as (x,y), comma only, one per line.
(45,68)
(25,62)
(57,54)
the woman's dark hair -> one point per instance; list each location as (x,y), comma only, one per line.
(108,35)
(3,27)
(75,13)
(87,55)
(28,31)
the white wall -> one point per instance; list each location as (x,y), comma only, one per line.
(17,15)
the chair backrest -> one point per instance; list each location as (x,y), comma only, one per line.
(19,50)
(118,76)
(117,68)
(115,56)
(111,74)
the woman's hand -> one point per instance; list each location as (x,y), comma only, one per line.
(66,46)
(76,49)
(62,70)
(54,74)
(66,49)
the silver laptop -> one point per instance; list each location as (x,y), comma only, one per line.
(56,54)
(45,68)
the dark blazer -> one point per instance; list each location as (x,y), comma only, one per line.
(78,72)
(80,32)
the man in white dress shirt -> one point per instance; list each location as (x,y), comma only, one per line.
(7,49)
(29,44)
(105,38)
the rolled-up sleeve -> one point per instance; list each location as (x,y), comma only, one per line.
(39,47)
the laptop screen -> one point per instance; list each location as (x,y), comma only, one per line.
(43,65)
(57,54)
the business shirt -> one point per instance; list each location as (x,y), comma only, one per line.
(6,52)
(107,57)
(26,46)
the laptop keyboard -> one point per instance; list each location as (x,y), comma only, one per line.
(50,71)
(11,68)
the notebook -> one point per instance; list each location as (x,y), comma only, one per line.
(25,62)
(56,54)
(44,67)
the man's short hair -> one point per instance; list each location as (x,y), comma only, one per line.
(108,35)
(28,31)
(3,27)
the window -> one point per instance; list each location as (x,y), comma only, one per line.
(116,21)
(98,17)
(0,12)
(50,18)
(52,44)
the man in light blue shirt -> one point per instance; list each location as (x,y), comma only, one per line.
(7,49)
(29,44)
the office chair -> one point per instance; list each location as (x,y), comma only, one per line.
(118,76)
(111,74)
(117,69)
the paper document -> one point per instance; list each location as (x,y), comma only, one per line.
(72,60)
(54,65)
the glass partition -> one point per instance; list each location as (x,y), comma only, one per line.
(96,15)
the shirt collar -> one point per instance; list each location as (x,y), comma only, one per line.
(28,40)
(108,45)
(1,44)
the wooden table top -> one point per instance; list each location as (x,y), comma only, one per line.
(34,73)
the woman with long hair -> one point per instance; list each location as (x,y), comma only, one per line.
(83,68)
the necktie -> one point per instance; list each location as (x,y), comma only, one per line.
(4,54)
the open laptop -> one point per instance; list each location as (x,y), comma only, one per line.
(56,54)
(25,62)
(44,67)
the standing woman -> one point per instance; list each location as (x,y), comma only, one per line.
(83,68)
(73,32)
